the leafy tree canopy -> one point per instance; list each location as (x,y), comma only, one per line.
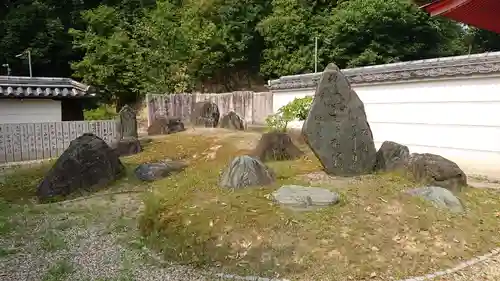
(131,47)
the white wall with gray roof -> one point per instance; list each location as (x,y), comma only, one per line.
(447,106)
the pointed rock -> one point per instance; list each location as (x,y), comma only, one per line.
(246,171)
(336,128)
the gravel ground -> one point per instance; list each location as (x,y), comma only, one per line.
(486,270)
(66,243)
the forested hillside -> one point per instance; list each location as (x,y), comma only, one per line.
(130,47)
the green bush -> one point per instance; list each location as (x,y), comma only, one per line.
(277,122)
(103,112)
(296,109)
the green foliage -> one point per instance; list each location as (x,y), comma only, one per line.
(103,112)
(298,108)
(112,60)
(127,48)
(480,40)
(277,122)
(368,32)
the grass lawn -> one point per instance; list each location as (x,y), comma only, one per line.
(375,232)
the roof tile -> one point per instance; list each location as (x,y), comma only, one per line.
(486,63)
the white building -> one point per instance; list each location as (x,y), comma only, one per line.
(447,106)
(41,99)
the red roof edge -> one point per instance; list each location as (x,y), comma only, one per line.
(440,7)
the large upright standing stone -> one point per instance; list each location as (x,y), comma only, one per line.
(128,144)
(336,128)
(128,121)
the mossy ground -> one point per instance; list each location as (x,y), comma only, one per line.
(375,232)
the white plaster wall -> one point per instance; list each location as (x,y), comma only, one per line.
(29,111)
(457,118)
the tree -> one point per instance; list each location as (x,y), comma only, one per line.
(289,39)
(202,45)
(368,32)
(481,40)
(112,60)
(32,25)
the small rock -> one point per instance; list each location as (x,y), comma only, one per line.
(163,126)
(156,171)
(128,146)
(392,156)
(205,114)
(276,146)
(246,171)
(440,197)
(232,121)
(303,198)
(431,169)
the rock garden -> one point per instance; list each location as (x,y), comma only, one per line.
(222,202)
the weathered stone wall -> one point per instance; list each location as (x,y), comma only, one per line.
(251,106)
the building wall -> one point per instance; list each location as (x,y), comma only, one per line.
(456,118)
(29,110)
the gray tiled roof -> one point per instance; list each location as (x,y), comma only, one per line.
(43,87)
(486,63)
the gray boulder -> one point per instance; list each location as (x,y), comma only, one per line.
(276,146)
(392,156)
(432,169)
(163,126)
(246,171)
(88,164)
(232,121)
(336,128)
(304,198)
(440,197)
(128,146)
(205,114)
(159,170)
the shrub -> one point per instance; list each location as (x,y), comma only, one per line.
(103,112)
(296,109)
(277,122)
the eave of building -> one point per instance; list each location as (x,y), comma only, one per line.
(479,13)
(43,87)
(430,69)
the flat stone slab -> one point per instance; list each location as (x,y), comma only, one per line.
(439,197)
(304,198)
(159,170)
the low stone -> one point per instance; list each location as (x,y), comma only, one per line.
(175,125)
(205,114)
(245,171)
(276,146)
(128,146)
(232,121)
(164,126)
(440,197)
(158,170)
(392,156)
(304,198)
(88,164)
(432,169)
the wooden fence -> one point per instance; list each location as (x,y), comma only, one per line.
(37,141)
(253,107)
